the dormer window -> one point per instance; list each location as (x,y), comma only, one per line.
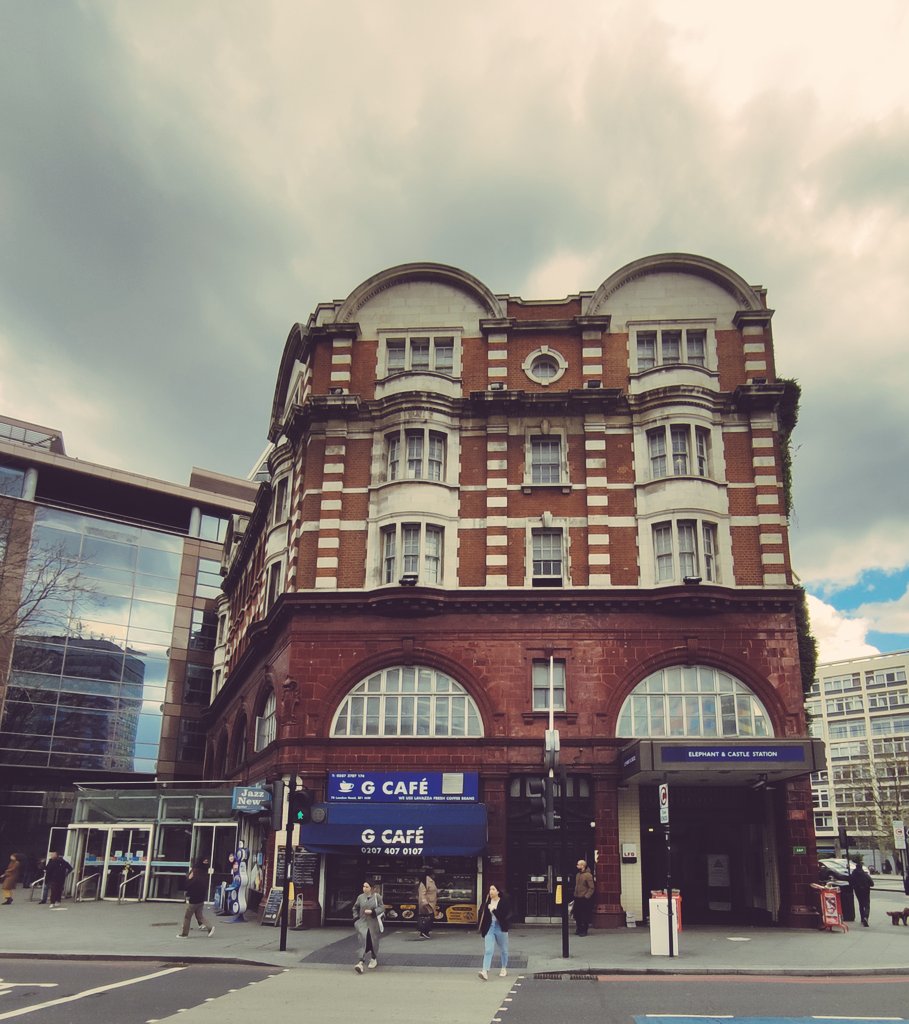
(670,346)
(420,353)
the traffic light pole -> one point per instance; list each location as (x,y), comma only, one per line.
(566,867)
(288,863)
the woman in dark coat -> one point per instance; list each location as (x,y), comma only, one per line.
(862,883)
(495,920)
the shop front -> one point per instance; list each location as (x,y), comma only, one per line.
(392,828)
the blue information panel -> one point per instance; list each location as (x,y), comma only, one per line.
(737,753)
(404,787)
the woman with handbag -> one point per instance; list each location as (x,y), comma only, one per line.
(369,922)
(495,920)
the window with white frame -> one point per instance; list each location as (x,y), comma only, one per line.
(885,677)
(420,353)
(692,700)
(844,705)
(546,459)
(415,454)
(412,549)
(679,449)
(685,548)
(412,700)
(823,821)
(541,684)
(266,723)
(668,346)
(547,544)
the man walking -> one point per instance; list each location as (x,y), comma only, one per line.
(196,891)
(55,871)
(862,884)
(583,898)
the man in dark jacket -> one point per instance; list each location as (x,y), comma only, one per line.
(583,898)
(862,884)
(196,891)
(55,871)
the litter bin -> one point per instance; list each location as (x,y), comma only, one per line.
(847,901)
(659,929)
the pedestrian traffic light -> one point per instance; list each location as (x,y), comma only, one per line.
(299,806)
(276,803)
(536,792)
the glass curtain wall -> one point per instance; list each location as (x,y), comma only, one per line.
(89,668)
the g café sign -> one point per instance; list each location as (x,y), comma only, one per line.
(398,841)
(404,787)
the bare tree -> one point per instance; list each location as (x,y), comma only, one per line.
(38,583)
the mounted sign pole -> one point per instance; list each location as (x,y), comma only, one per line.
(288,860)
(663,793)
(899,843)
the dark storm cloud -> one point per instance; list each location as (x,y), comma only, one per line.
(137,259)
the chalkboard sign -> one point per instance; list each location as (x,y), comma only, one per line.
(272,913)
(304,868)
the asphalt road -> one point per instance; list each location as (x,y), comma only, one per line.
(676,999)
(100,992)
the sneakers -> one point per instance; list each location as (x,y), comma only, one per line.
(503,973)
(359,967)
(211,931)
(483,975)
(373,964)
(180,935)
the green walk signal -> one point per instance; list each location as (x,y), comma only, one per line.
(300,806)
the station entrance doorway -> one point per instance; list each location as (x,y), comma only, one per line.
(723,853)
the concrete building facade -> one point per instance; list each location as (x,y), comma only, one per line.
(860,709)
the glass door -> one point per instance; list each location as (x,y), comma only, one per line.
(214,843)
(128,856)
(89,859)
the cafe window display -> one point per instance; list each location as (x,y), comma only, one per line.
(397,879)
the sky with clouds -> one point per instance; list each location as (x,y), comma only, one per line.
(182,180)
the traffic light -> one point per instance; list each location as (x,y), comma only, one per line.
(299,806)
(536,791)
(276,806)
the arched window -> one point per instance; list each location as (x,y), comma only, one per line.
(692,700)
(407,701)
(266,723)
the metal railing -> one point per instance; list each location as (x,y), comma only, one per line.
(77,896)
(33,886)
(125,883)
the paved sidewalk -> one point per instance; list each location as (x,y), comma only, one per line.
(149,930)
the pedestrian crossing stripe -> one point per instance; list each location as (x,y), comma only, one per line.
(667,1018)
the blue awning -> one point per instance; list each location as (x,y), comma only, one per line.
(410,830)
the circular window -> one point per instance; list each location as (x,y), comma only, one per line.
(544,366)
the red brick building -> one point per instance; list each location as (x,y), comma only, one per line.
(478,508)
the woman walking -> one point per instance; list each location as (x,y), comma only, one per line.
(369,922)
(495,920)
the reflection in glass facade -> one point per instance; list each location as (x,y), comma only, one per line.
(89,671)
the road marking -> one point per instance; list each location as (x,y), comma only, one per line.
(8,986)
(88,992)
(694,1018)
